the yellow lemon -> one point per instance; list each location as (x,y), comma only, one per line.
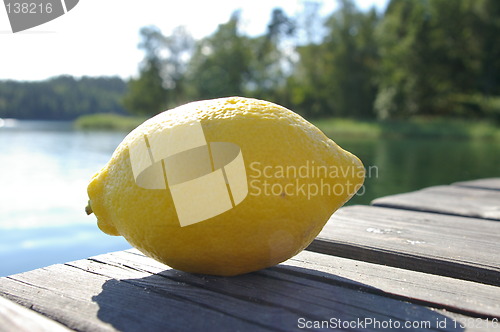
(224,186)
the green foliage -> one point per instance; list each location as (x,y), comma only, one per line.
(161,82)
(221,63)
(419,59)
(418,127)
(344,65)
(269,60)
(433,52)
(105,121)
(346,127)
(61,98)
(146,94)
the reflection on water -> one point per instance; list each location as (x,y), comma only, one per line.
(401,165)
(44,171)
(45,168)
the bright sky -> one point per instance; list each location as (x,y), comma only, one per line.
(100,37)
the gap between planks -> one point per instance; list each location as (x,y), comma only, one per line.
(490,183)
(465,297)
(451,246)
(120,288)
(465,201)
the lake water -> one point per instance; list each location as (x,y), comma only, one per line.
(402,165)
(45,168)
(44,171)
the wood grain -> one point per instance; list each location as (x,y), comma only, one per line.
(453,200)
(88,301)
(275,302)
(14,317)
(466,297)
(470,298)
(129,292)
(458,247)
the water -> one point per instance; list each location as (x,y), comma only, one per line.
(45,168)
(44,171)
(402,165)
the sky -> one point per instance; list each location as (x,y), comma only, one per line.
(100,37)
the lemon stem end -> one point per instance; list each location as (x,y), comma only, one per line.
(88,209)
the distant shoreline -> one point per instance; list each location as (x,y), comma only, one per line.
(429,128)
(103,121)
(450,128)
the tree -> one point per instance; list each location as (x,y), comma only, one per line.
(422,57)
(179,48)
(308,79)
(61,98)
(161,81)
(336,76)
(353,52)
(221,63)
(411,65)
(146,94)
(439,58)
(271,63)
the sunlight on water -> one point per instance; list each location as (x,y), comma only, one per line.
(8,123)
(45,168)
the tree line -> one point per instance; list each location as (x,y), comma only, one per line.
(418,58)
(61,98)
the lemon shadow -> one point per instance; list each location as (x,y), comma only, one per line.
(281,298)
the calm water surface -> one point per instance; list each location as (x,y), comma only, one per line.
(44,171)
(45,168)
(401,165)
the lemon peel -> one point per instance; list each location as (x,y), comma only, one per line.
(276,219)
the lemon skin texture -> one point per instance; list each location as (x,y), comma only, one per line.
(268,226)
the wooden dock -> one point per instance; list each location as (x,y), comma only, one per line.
(425,260)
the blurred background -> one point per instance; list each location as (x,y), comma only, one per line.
(412,87)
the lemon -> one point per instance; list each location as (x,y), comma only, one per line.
(291,179)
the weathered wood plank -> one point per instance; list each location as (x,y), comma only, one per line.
(75,313)
(452,246)
(456,295)
(16,318)
(453,200)
(87,301)
(461,296)
(491,183)
(308,296)
(123,295)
